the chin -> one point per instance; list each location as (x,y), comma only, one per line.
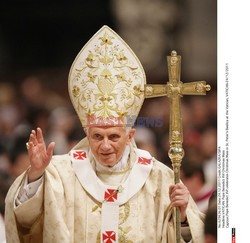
(108,163)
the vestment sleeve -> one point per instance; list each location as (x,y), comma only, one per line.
(28,190)
(196,221)
(29,202)
(50,209)
(193,233)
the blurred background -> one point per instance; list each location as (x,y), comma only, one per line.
(39,41)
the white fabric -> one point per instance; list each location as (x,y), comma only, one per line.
(28,190)
(62,211)
(111,85)
(2,230)
(110,221)
(93,185)
(112,196)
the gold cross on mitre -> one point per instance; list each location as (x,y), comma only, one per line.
(174,90)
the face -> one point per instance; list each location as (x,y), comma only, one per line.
(108,143)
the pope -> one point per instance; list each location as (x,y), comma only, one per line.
(105,189)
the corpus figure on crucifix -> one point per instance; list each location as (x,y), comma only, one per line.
(106,189)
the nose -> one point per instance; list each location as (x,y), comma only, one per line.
(105,144)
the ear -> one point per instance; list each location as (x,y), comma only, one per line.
(85,129)
(131,134)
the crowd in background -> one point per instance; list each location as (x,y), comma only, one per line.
(31,104)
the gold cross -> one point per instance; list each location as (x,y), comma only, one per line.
(174,90)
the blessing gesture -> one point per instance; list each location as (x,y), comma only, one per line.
(39,155)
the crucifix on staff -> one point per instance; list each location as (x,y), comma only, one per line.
(175,90)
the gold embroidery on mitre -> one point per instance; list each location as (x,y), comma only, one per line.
(106,81)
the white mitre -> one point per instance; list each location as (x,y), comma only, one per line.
(106,81)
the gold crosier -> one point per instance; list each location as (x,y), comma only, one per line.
(174,90)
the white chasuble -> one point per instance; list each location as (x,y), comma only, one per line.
(111,197)
(70,208)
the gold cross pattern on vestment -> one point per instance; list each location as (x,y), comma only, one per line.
(174,90)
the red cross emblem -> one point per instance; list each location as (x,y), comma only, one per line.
(79,155)
(108,237)
(110,195)
(144,161)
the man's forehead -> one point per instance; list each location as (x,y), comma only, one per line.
(107,129)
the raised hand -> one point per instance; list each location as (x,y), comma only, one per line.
(39,155)
(179,196)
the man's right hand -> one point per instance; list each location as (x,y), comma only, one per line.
(39,155)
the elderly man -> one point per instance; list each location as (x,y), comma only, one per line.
(105,189)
